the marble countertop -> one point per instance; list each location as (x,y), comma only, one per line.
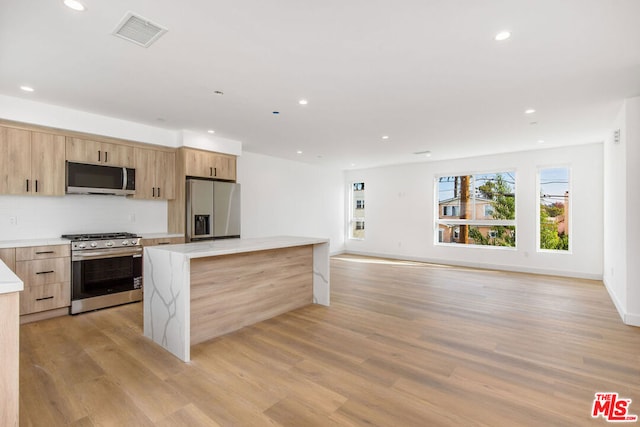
(235,246)
(9,282)
(33,242)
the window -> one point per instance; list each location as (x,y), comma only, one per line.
(450,210)
(356,228)
(477,209)
(553,214)
(488,210)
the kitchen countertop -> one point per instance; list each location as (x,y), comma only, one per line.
(9,282)
(33,242)
(235,246)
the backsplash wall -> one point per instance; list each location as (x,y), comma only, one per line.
(27,217)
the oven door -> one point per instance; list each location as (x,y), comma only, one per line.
(104,272)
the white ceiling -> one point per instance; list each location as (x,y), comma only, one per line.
(428,73)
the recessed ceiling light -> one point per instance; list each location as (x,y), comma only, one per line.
(529,111)
(503,35)
(211,131)
(303,102)
(75,5)
(541,141)
(353,164)
(385,137)
(26,88)
(299,152)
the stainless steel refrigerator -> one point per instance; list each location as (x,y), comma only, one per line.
(213,210)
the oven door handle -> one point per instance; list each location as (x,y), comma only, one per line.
(108,253)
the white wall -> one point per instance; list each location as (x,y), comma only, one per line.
(622,204)
(400,212)
(50,217)
(22,110)
(615,215)
(283,197)
(633,208)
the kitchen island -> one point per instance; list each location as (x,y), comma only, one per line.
(198,291)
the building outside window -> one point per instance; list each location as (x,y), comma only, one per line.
(553,214)
(356,222)
(477,209)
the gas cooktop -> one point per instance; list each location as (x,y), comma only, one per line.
(99,236)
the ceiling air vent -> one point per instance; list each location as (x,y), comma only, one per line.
(138,30)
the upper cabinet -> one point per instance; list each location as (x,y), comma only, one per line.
(155,174)
(31,162)
(209,165)
(88,151)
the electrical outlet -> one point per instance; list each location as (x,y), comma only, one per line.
(13,220)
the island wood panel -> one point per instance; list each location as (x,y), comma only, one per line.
(9,368)
(232,291)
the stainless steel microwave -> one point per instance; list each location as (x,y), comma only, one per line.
(83,178)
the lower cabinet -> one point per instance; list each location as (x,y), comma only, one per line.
(46,273)
(162,241)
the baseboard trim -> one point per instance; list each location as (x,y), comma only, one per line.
(516,269)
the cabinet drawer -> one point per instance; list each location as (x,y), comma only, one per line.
(162,241)
(44,271)
(46,297)
(41,252)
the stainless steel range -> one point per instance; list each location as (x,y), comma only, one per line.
(106,270)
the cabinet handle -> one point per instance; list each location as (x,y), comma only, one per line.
(44,252)
(36,185)
(106,156)
(215,171)
(42,299)
(27,186)
(158,191)
(98,155)
(153,192)
(45,272)
(164,243)
(210,171)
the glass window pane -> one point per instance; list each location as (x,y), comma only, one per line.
(554,209)
(473,200)
(356,230)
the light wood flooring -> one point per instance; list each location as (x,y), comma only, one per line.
(403,344)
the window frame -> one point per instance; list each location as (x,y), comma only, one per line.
(539,169)
(475,222)
(353,218)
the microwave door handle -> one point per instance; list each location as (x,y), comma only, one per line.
(124,178)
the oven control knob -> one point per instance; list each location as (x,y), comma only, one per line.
(134,242)
(125,243)
(94,244)
(109,243)
(82,245)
